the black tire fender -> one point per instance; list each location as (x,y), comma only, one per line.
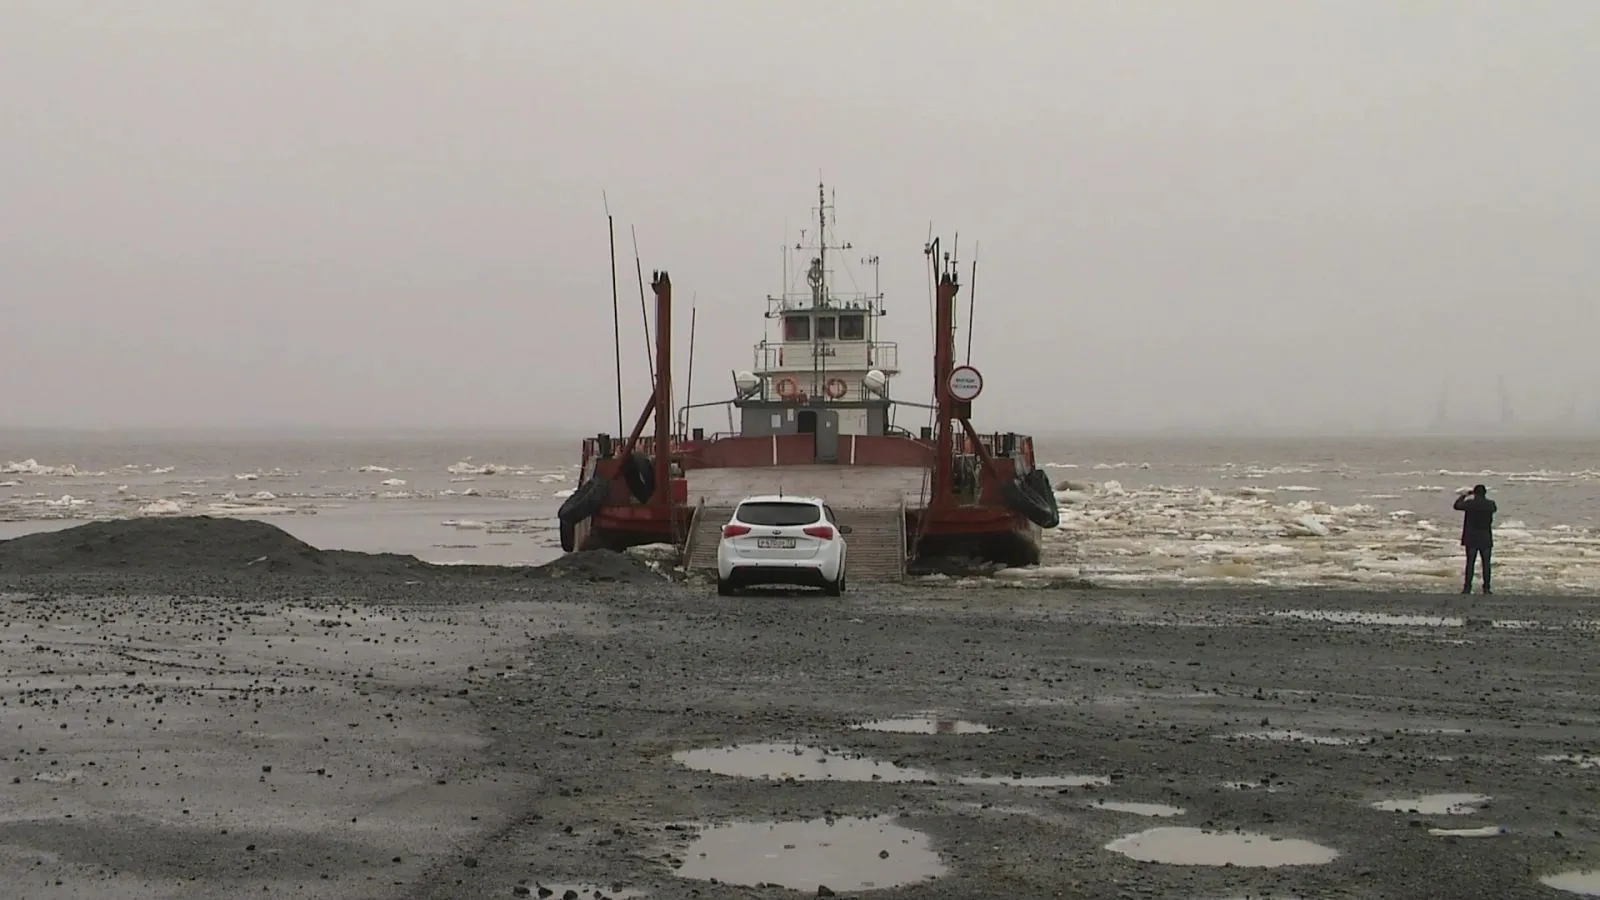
(1038,482)
(1041,511)
(639,471)
(585,501)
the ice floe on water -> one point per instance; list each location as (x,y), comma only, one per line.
(161,508)
(545,474)
(1253,535)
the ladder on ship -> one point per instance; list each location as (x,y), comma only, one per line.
(875,547)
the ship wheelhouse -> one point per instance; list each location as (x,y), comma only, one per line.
(824,372)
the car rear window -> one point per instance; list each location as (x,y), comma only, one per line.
(778,514)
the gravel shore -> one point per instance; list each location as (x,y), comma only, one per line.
(209,727)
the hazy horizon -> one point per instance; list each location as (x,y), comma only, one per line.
(18,435)
(1226,219)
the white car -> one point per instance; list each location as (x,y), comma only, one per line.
(782,540)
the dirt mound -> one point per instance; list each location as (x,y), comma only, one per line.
(598,566)
(226,546)
(183,543)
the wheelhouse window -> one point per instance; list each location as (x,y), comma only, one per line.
(797,328)
(825,328)
(853,328)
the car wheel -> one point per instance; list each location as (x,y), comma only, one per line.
(836,587)
(724,588)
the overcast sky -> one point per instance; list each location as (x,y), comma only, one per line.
(376,212)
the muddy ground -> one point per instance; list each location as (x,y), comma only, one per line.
(236,732)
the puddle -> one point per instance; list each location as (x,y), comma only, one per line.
(1196,847)
(1584,884)
(1045,781)
(845,854)
(1436,804)
(778,762)
(784,761)
(926,725)
(584,892)
(1579,760)
(1297,737)
(1485,831)
(1343,617)
(1160,810)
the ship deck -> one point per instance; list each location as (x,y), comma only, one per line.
(842,487)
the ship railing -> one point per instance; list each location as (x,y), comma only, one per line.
(645,445)
(900,533)
(686,546)
(857,302)
(1001,445)
(769,355)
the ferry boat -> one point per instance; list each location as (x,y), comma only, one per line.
(816,415)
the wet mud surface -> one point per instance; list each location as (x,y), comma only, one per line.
(231,731)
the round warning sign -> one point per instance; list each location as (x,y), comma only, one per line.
(965,383)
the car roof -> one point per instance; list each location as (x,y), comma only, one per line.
(783,498)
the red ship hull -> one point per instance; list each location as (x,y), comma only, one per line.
(878,469)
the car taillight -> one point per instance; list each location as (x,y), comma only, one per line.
(820,531)
(734,530)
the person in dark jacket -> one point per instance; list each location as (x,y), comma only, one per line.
(1477,532)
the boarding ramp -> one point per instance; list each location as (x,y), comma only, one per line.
(870,499)
(705,531)
(875,548)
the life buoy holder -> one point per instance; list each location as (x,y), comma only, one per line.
(836,388)
(787,389)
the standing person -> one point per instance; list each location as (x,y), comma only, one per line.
(1477,532)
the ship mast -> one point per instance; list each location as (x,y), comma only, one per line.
(822,246)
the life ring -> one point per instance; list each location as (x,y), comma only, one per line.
(836,388)
(787,389)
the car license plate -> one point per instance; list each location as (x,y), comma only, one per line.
(775,543)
